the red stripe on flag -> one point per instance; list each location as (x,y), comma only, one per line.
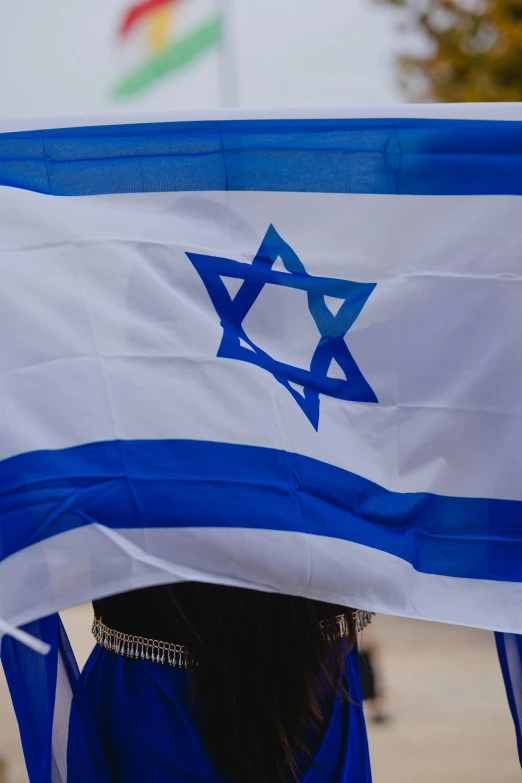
(137,11)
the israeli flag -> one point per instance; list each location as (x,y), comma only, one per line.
(278,351)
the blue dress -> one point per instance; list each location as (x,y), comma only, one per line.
(144,724)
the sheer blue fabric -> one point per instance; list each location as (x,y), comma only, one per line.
(147,729)
(32,683)
(49,697)
(509,647)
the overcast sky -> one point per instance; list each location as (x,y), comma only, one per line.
(61,56)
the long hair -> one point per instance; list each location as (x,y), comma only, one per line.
(265,679)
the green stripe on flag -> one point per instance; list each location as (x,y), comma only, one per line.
(173,58)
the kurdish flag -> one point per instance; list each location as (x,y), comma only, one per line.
(167,44)
(276,351)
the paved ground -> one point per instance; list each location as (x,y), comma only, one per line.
(451,722)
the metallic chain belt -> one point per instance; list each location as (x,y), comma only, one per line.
(338,627)
(126,644)
(140,647)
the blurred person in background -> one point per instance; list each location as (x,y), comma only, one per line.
(372,689)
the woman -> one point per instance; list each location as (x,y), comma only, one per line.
(198,683)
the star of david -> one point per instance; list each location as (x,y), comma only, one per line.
(332,329)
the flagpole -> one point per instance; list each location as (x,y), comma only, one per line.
(228,83)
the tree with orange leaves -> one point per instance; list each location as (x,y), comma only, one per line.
(473,52)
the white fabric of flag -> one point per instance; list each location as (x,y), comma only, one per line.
(274,351)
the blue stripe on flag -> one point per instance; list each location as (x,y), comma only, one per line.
(396,156)
(176,483)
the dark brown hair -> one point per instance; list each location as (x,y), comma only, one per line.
(265,678)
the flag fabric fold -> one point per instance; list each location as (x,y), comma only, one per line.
(51,707)
(509,648)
